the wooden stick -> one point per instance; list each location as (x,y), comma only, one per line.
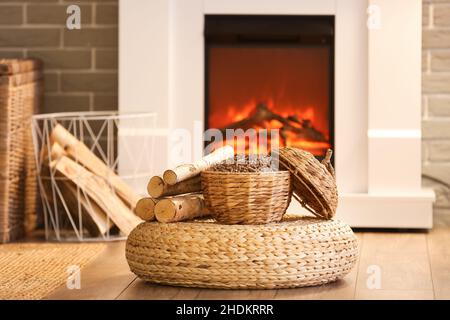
(93,217)
(180,208)
(78,151)
(57,151)
(94,220)
(145,209)
(47,155)
(186,171)
(99,191)
(157,188)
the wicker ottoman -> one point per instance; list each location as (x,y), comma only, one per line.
(294,253)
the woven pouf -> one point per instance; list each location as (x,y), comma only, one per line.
(294,253)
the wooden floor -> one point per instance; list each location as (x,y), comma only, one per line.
(413,265)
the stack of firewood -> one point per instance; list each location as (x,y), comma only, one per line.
(84,183)
(176,195)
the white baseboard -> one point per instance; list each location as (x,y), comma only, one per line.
(362,210)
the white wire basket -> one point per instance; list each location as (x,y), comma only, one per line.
(123,142)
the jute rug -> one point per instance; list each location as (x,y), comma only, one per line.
(33,270)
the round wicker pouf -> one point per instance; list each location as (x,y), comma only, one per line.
(294,253)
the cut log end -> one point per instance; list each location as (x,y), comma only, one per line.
(62,136)
(155,187)
(165,211)
(170,177)
(145,209)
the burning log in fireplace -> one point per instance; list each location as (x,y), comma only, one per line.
(292,125)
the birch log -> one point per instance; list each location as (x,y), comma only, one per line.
(94,219)
(99,191)
(157,187)
(186,171)
(180,208)
(78,151)
(145,209)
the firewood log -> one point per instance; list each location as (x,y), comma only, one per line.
(302,129)
(50,152)
(180,208)
(157,188)
(56,151)
(99,191)
(186,171)
(145,209)
(78,151)
(94,219)
(68,200)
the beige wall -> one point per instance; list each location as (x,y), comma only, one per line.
(80,65)
(436,102)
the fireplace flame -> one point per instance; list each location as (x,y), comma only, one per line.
(271,87)
(297,126)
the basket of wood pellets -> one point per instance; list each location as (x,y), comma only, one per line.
(246,190)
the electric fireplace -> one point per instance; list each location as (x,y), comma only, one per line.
(271,72)
(373,115)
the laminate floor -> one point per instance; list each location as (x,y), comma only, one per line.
(392,265)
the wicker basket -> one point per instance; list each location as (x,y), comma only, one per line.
(247,197)
(20,92)
(294,253)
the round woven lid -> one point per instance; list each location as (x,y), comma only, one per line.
(313,182)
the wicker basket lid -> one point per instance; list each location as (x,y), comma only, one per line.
(313,182)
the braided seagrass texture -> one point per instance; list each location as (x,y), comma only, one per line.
(294,253)
(247,197)
(313,183)
(20,92)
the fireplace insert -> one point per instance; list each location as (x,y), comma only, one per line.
(271,72)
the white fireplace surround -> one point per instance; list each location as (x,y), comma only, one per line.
(377,92)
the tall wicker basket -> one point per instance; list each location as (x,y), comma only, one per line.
(20,93)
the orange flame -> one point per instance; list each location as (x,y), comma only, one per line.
(291,81)
(235,114)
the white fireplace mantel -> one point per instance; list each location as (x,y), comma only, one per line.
(377,92)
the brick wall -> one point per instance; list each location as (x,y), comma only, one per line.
(80,65)
(436,103)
